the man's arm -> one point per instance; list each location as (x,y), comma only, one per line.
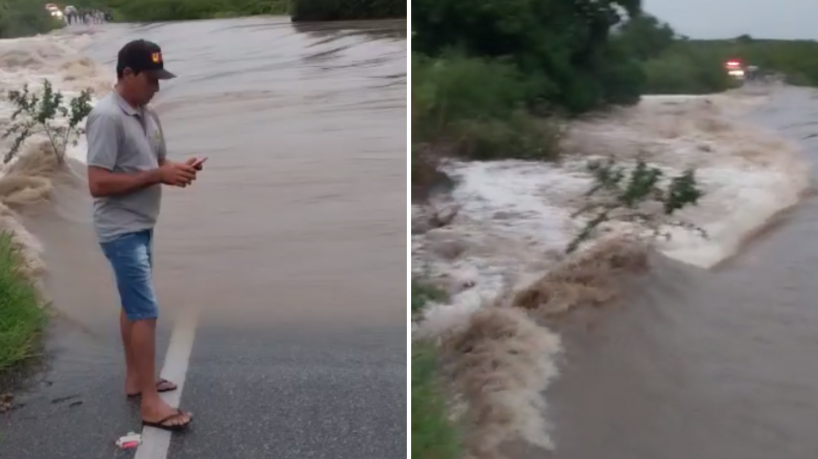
(103,147)
(103,182)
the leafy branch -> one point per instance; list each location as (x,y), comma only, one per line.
(619,196)
(47,113)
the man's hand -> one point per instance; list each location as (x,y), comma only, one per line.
(196,163)
(177,174)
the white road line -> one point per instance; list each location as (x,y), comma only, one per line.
(155,442)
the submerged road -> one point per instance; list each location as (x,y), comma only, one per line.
(711,365)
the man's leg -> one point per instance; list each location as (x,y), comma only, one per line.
(143,340)
(131,260)
(131,379)
(132,386)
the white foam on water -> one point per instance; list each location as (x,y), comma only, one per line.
(514,218)
(747,173)
(56,58)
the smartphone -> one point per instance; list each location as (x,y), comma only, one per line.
(199,162)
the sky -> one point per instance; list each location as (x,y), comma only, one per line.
(786,19)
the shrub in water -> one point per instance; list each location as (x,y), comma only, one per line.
(621,197)
(49,114)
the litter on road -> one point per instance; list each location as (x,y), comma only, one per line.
(132,440)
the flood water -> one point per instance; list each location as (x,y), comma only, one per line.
(711,365)
(289,248)
(299,215)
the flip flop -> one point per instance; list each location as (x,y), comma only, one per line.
(158,383)
(171,428)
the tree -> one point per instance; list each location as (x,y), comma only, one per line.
(563,42)
(744,39)
(645,36)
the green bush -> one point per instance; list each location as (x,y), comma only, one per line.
(518,136)
(681,71)
(21,18)
(335,10)
(477,107)
(455,88)
(793,58)
(645,36)
(563,45)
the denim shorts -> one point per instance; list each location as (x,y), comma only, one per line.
(131,257)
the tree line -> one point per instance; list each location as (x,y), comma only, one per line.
(298,10)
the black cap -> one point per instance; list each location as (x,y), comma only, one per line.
(143,56)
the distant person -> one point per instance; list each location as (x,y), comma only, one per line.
(127,166)
(70,14)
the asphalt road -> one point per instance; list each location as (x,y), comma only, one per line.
(256,394)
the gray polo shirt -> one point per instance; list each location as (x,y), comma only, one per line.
(126,140)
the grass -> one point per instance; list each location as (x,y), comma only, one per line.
(433,435)
(422,293)
(22,318)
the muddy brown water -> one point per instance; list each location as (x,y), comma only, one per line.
(711,365)
(300,215)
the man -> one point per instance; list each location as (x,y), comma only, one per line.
(69,13)
(127,166)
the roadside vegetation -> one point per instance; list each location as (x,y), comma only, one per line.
(299,10)
(47,114)
(179,10)
(668,62)
(23,18)
(21,316)
(434,436)
(794,59)
(342,10)
(498,82)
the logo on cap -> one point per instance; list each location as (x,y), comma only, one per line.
(156,58)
